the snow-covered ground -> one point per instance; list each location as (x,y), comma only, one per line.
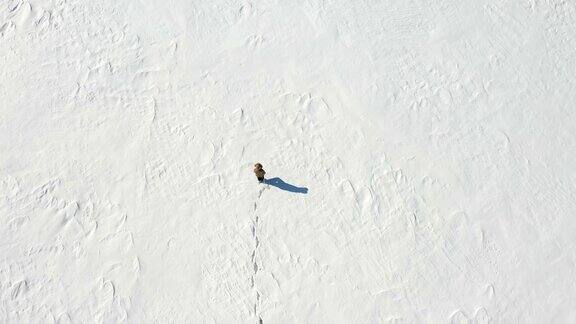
(422,156)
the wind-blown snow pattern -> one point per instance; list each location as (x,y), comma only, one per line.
(420,155)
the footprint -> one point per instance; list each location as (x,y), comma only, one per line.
(254,41)
(459,317)
(20,288)
(245,10)
(347,190)
(481,316)
(489,291)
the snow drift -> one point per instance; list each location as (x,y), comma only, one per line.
(420,157)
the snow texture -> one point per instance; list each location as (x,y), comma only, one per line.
(421,157)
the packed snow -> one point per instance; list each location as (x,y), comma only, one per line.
(420,158)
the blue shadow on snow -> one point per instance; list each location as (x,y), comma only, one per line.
(278,183)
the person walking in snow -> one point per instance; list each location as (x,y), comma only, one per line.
(259,172)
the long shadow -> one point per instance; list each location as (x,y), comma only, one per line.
(279,183)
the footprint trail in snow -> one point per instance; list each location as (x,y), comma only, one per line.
(255,233)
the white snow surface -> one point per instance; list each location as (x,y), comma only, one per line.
(426,151)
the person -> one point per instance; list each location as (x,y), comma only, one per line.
(259,172)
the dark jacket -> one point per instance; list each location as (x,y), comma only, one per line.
(259,171)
